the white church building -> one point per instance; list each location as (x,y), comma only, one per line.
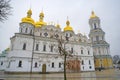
(36,48)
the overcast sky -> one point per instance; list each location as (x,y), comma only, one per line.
(78,12)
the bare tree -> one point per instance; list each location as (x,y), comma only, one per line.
(5,9)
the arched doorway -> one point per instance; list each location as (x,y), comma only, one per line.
(44,68)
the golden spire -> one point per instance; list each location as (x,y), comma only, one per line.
(93,15)
(29,13)
(41,16)
(41,20)
(58,26)
(68,27)
(28,18)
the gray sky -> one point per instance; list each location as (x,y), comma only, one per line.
(78,12)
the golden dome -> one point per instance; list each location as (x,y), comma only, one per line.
(40,22)
(93,15)
(58,26)
(68,27)
(28,18)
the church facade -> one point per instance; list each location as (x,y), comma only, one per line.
(36,47)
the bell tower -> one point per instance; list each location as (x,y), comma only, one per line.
(101,49)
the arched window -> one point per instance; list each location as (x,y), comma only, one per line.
(37,47)
(66,34)
(44,47)
(88,52)
(71,50)
(59,65)
(97,38)
(35,64)
(81,51)
(95,27)
(51,48)
(40,34)
(1,63)
(82,62)
(24,46)
(20,64)
(31,31)
(89,62)
(26,30)
(52,64)
(21,30)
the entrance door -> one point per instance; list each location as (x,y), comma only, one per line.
(44,68)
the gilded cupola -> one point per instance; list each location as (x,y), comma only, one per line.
(41,20)
(93,15)
(68,27)
(28,18)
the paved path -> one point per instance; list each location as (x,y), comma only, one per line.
(98,75)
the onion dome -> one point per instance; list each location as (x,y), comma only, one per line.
(68,27)
(40,22)
(58,26)
(28,18)
(93,15)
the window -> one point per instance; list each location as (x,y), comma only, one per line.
(40,34)
(52,64)
(81,51)
(30,31)
(44,47)
(35,64)
(95,27)
(21,29)
(59,65)
(97,38)
(71,50)
(89,62)
(20,64)
(90,67)
(51,48)
(88,52)
(37,47)
(102,37)
(46,34)
(26,30)
(82,62)
(66,34)
(24,46)
(9,64)
(83,67)
(1,63)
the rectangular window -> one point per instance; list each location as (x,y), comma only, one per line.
(20,64)
(51,48)
(52,64)
(97,38)
(71,50)
(35,64)
(24,46)
(81,51)
(59,65)
(44,47)
(37,47)
(95,26)
(88,52)
(82,62)
(89,62)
